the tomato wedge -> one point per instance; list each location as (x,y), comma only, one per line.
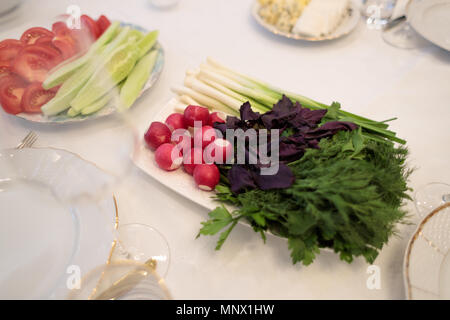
(33,34)
(35,97)
(34,62)
(9,49)
(91,25)
(103,23)
(11,92)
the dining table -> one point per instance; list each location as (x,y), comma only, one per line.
(365,74)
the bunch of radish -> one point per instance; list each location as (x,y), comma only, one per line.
(197,153)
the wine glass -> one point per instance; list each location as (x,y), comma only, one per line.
(142,243)
(122,280)
(431,196)
(402,35)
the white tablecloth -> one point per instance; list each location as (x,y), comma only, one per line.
(361,71)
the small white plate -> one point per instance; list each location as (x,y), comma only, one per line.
(109,109)
(45,239)
(431,19)
(427,258)
(347,25)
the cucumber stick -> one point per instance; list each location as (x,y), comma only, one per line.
(97,105)
(147,42)
(135,35)
(63,72)
(116,68)
(136,80)
(68,91)
(75,83)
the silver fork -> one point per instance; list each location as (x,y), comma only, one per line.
(28,141)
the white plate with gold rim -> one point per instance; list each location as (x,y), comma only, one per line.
(427,258)
(47,241)
(347,25)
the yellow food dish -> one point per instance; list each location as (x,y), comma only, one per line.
(282,13)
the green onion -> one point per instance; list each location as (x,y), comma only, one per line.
(216,86)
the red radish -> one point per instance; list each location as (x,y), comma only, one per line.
(217,117)
(219,151)
(183,139)
(192,159)
(196,113)
(206,176)
(176,121)
(157,134)
(204,136)
(168,157)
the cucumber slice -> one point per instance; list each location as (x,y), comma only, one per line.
(135,35)
(72,86)
(62,73)
(116,68)
(68,91)
(137,79)
(97,105)
(147,42)
(72,113)
(119,40)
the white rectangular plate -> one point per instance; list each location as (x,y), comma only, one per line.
(178,180)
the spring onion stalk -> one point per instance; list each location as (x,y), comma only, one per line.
(259,96)
(268,89)
(188,100)
(268,95)
(233,94)
(201,87)
(203,99)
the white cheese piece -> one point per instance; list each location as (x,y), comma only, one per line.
(321,17)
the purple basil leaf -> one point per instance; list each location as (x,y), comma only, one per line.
(283,179)
(240,179)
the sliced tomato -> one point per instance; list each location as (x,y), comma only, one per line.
(59,27)
(46,41)
(35,97)
(65,40)
(103,23)
(47,52)
(34,62)
(33,34)
(67,46)
(11,92)
(5,72)
(91,25)
(9,49)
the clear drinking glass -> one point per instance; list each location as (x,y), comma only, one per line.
(121,280)
(378,12)
(164,3)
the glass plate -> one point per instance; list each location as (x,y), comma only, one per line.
(41,235)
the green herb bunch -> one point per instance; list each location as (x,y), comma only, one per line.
(347,196)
